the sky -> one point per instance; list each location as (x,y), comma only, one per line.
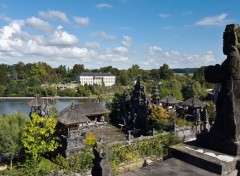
(117,33)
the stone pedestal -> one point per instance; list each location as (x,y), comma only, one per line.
(206,159)
(207,140)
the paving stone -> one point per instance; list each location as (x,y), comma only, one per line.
(170,167)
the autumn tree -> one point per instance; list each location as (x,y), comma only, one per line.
(11,127)
(39,136)
(90,139)
(160,117)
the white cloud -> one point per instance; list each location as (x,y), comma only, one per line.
(17,43)
(92,45)
(104,36)
(127,41)
(175,59)
(213,20)
(104,5)
(120,50)
(164,15)
(114,58)
(82,21)
(154,49)
(117,54)
(54,15)
(62,38)
(38,24)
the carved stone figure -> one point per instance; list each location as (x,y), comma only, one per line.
(224,134)
(101,161)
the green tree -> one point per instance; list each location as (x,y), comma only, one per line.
(110,69)
(211,109)
(39,136)
(34,81)
(3,74)
(11,127)
(134,71)
(165,72)
(198,75)
(76,70)
(67,92)
(2,89)
(194,89)
(122,79)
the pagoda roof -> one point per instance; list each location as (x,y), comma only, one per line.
(193,102)
(169,100)
(79,113)
(37,102)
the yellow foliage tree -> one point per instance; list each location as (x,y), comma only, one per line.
(160,117)
(90,139)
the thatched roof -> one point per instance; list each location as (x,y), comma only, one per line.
(193,102)
(37,102)
(169,100)
(79,113)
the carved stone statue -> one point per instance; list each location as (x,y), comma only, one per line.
(101,161)
(224,134)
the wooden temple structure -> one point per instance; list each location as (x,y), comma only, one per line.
(169,102)
(77,119)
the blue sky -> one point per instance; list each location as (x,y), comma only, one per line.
(120,33)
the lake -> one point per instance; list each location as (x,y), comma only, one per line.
(10,106)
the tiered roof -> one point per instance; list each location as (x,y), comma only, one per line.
(79,113)
(194,103)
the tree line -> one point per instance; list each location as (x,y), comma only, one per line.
(25,79)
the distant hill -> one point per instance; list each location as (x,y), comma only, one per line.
(184,70)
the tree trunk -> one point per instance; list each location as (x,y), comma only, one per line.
(11,159)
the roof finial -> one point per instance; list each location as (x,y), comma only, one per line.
(72,105)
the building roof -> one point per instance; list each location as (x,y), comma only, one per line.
(96,74)
(79,113)
(169,100)
(193,102)
(37,102)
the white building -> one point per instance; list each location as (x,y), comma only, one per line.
(106,79)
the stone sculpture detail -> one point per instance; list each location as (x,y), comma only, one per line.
(224,134)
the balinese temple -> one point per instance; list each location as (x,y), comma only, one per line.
(139,106)
(75,121)
(39,106)
(169,102)
(155,99)
(194,110)
(193,103)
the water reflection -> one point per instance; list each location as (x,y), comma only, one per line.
(15,105)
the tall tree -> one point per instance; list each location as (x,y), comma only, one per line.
(166,72)
(134,71)
(3,74)
(76,70)
(11,127)
(198,75)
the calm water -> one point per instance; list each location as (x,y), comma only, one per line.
(15,105)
